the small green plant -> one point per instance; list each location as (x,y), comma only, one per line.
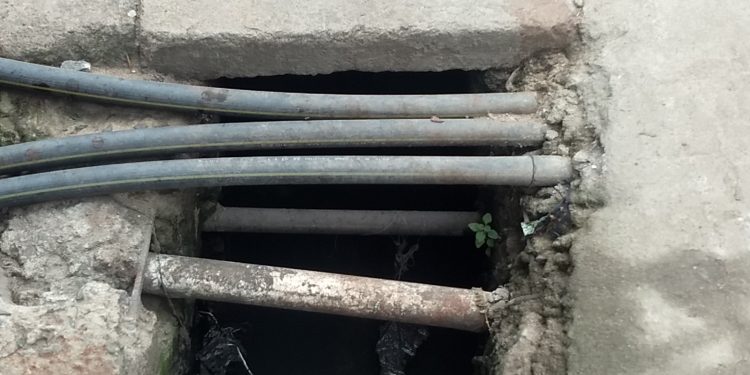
(484,235)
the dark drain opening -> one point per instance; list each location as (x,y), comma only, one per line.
(353,82)
(282,341)
(286,342)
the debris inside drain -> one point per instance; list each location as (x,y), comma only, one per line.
(556,222)
(399,342)
(220,348)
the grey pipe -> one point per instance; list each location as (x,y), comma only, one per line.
(258,103)
(330,293)
(191,173)
(356,222)
(95,148)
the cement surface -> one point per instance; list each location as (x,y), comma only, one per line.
(52,31)
(205,39)
(662,272)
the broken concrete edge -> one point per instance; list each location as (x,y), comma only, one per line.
(43,278)
(170,349)
(184,40)
(532,331)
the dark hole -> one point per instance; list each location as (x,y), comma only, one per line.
(288,342)
(365,197)
(353,82)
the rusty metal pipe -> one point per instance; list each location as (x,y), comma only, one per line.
(355,222)
(363,297)
(279,170)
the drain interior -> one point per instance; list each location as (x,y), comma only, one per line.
(284,341)
(355,82)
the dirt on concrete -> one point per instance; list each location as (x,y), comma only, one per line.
(529,334)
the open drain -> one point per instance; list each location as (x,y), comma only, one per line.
(359,218)
(324,253)
(286,341)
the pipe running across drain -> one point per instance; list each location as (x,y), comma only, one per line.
(100,147)
(364,297)
(356,222)
(259,103)
(278,170)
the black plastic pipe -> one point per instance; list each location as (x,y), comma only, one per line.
(191,173)
(354,222)
(259,103)
(95,148)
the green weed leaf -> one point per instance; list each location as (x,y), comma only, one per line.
(479,239)
(487,218)
(476,227)
(492,234)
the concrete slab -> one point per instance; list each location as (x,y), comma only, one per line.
(662,273)
(51,31)
(207,39)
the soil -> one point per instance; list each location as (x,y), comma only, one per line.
(529,334)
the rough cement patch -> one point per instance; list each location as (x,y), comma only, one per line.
(53,252)
(50,32)
(58,247)
(240,39)
(96,336)
(55,248)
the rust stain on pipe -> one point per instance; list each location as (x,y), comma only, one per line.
(364,297)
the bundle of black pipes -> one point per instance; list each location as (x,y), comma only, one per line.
(98,164)
(99,148)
